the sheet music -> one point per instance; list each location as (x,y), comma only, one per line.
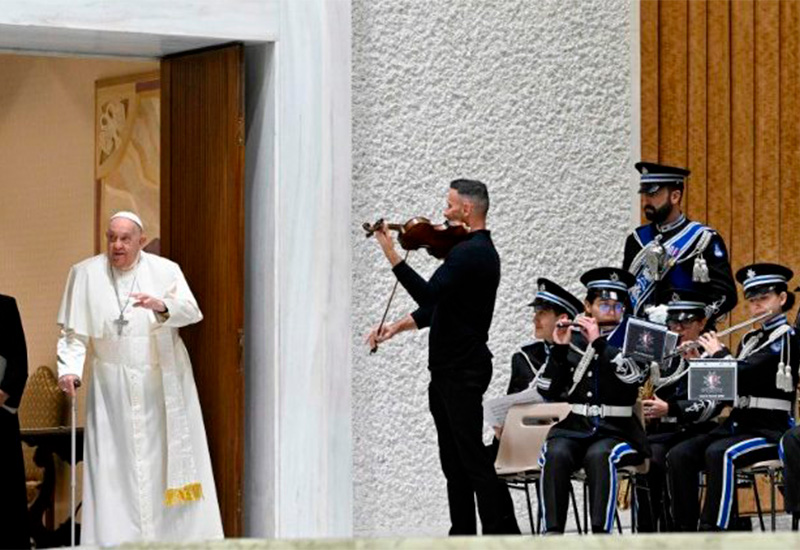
(495,410)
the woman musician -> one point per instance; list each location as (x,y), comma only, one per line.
(671,416)
(767,376)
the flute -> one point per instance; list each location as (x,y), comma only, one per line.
(566,324)
(694,344)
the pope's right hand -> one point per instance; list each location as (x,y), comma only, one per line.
(69,384)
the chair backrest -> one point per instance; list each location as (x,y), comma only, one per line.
(524,434)
(43,405)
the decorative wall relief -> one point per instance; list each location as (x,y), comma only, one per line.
(128,152)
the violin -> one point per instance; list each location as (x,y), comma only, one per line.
(416,233)
(419,232)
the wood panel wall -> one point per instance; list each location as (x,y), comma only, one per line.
(720,85)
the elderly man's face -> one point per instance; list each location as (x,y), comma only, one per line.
(125,241)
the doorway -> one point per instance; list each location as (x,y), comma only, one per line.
(50,214)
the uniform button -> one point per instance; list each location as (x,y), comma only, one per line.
(589,374)
(588,394)
(572,369)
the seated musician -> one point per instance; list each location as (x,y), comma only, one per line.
(601,433)
(551,304)
(670,416)
(767,376)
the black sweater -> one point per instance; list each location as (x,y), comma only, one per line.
(13,349)
(457,303)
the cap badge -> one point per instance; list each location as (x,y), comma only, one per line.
(542,287)
(675,297)
(751,273)
(614,277)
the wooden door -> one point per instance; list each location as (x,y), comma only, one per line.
(720,88)
(202,205)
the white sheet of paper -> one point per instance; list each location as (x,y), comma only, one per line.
(495,410)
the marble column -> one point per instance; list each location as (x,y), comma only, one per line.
(300,446)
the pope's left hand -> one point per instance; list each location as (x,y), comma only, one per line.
(148,302)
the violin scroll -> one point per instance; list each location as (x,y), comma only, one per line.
(371,228)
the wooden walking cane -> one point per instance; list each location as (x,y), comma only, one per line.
(73,427)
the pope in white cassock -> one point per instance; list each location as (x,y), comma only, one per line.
(147,471)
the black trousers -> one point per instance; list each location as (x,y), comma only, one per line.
(599,457)
(455,402)
(790,455)
(718,456)
(650,514)
(13,497)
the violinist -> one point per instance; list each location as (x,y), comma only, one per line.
(766,378)
(457,304)
(671,417)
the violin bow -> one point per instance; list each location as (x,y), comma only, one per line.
(386,311)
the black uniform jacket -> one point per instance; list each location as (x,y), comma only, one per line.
(609,380)
(756,378)
(680,276)
(13,350)
(457,303)
(525,364)
(685,416)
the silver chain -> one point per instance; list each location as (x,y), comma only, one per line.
(116,290)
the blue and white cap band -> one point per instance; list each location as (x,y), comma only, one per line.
(609,284)
(685,305)
(762,280)
(552,298)
(662,178)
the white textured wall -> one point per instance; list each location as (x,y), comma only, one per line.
(531,97)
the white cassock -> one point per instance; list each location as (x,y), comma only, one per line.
(147,471)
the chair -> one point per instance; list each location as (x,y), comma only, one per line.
(43,405)
(636,474)
(524,433)
(628,476)
(773,469)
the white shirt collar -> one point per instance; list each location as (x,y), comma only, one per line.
(670,226)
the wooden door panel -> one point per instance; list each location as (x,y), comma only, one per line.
(202,178)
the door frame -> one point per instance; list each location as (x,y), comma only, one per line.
(298,436)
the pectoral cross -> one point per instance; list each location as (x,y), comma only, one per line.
(121,321)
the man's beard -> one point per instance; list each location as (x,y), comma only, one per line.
(658,215)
